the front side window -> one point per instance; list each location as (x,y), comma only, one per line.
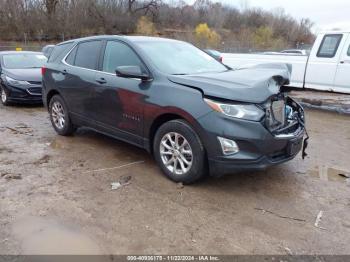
(24,61)
(180,58)
(329,46)
(119,54)
(87,54)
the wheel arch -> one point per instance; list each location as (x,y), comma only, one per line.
(161,119)
(49,96)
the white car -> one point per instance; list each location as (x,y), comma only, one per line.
(326,68)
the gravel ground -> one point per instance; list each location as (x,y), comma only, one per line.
(56,197)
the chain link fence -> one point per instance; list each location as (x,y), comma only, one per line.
(13,46)
(227,47)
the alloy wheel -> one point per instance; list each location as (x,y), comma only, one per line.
(176,153)
(58,115)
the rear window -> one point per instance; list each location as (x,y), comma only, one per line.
(329,46)
(87,54)
(59,51)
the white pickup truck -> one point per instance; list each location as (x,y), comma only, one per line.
(326,68)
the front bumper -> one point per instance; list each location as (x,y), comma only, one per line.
(18,95)
(259,148)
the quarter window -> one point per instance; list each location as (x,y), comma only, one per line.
(329,46)
(119,54)
(71,57)
(87,54)
(59,51)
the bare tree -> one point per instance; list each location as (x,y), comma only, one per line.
(57,20)
(150,6)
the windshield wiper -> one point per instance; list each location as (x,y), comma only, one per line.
(179,74)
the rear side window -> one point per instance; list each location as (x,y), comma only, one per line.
(59,51)
(329,46)
(119,54)
(349,51)
(87,54)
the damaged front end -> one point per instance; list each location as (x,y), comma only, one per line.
(285,119)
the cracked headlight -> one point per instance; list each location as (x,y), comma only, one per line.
(16,83)
(242,111)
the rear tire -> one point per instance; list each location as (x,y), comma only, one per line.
(179,152)
(59,116)
(4,97)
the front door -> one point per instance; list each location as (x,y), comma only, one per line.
(119,101)
(322,65)
(342,78)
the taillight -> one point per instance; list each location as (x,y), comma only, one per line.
(221,59)
(43,70)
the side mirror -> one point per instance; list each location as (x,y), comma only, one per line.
(131,72)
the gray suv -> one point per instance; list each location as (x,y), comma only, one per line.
(194,114)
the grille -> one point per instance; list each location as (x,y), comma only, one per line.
(35,83)
(275,114)
(34,90)
(279,111)
(284,116)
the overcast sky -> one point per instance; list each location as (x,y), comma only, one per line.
(326,14)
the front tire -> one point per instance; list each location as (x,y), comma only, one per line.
(4,97)
(179,152)
(59,116)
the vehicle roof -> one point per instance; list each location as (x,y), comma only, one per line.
(123,37)
(149,39)
(18,52)
(336,32)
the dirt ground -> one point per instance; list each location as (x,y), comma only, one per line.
(56,197)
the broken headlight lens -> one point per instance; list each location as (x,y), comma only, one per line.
(242,111)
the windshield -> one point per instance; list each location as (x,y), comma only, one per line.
(23,61)
(180,58)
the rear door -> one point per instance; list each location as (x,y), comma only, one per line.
(323,62)
(53,78)
(79,71)
(342,78)
(118,102)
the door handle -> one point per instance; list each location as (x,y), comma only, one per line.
(101,81)
(345,62)
(342,62)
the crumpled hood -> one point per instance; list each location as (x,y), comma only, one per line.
(255,84)
(29,74)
